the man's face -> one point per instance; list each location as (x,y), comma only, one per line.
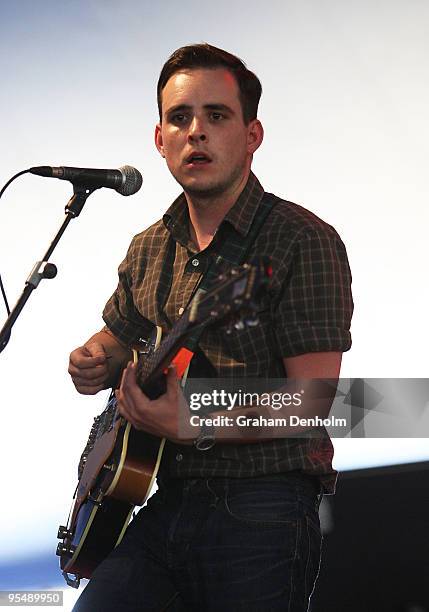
(203,137)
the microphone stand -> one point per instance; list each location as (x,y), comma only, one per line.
(44,269)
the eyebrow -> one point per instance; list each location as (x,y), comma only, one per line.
(220,107)
(213,106)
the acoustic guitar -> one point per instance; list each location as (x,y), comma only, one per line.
(118,466)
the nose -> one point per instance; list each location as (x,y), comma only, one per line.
(197,131)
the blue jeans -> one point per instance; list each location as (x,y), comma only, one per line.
(215,545)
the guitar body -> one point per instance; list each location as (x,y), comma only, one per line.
(116,473)
(97,530)
(99,518)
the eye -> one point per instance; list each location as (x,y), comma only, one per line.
(178,118)
(216,116)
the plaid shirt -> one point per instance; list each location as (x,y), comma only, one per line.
(308,309)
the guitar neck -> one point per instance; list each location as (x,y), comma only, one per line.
(151,369)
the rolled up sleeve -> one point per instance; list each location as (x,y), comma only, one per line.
(120,313)
(315,307)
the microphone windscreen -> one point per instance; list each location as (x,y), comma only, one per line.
(133,181)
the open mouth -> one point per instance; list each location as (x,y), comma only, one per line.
(198,158)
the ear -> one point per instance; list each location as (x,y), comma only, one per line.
(255,135)
(158,139)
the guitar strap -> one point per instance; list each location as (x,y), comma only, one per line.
(238,257)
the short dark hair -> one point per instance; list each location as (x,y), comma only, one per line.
(206,56)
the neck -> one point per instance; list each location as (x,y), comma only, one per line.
(207,213)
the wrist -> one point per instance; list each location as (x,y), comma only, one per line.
(205,440)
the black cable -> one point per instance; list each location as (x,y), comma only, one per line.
(12,179)
(1,193)
(4,296)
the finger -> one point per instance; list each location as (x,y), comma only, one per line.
(129,384)
(172,382)
(132,401)
(126,388)
(88,373)
(80,359)
(87,390)
(88,382)
(127,367)
(125,407)
(172,371)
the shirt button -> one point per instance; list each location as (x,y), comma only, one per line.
(181,310)
(179,457)
(195,262)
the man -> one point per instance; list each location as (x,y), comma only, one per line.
(233,527)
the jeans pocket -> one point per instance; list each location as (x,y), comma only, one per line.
(269,503)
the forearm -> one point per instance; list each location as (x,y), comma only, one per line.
(314,377)
(305,404)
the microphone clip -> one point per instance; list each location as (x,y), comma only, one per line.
(77,201)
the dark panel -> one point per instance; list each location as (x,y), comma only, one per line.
(376,548)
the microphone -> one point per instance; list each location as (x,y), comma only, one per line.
(126,180)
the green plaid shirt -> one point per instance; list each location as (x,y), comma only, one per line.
(307,309)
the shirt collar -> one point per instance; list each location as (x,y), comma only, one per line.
(240,216)
(176,220)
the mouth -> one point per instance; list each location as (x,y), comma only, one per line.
(197,159)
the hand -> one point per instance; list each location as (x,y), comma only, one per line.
(160,417)
(88,368)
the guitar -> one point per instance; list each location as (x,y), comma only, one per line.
(119,464)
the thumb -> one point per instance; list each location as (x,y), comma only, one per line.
(172,380)
(95,349)
(172,371)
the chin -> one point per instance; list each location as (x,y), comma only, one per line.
(201,187)
(208,186)
(205,191)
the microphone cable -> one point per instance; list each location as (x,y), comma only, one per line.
(3,292)
(12,179)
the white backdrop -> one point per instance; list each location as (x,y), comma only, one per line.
(345,113)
